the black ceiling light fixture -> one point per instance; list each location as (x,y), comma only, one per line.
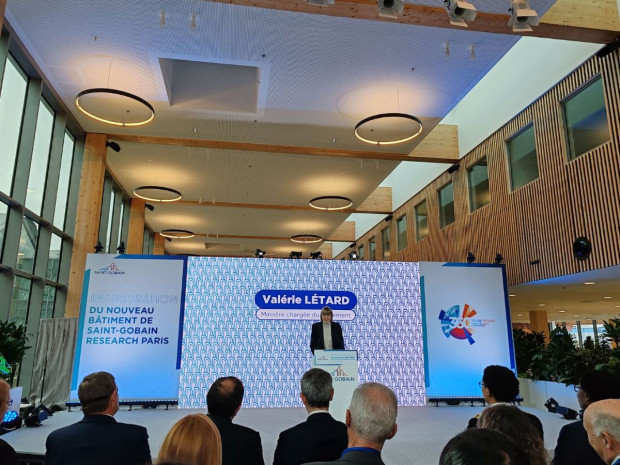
(177,233)
(113,145)
(379,129)
(306,238)
(318,255)
(331,202)
(353,255)
(157,193)
(582,248)
(499,259)
(131,109)
(259,253)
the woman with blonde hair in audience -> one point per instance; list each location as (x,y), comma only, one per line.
(193,440)
(514,423)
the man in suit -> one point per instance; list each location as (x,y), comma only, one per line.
(7,453)
(98,439)
(240,445)
(500,386)
(370,420)
(320,437)
(602,424)
(326,334)
(573,447)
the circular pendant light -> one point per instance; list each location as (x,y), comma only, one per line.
(306,238)
(157,193)
(177,233)
(388,128)
(331,202)
(115,107)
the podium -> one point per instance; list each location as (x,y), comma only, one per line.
(342,365)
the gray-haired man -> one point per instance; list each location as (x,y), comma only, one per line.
(320,437)
(602,423)
(371,420)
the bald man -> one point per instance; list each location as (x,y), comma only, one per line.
(7,453)
(602,423)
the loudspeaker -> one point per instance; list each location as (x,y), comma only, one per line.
(582,248)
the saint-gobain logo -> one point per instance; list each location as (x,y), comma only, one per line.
(110,269)
(340,375)
(458,324)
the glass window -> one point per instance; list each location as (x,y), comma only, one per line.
(53,260)
(586,119)
(401,231)
(522,158)
(18,309)
(479,195)
(27,245)
(4,212)
(108,234)
(63,181)
(372,249)
(49,296)
(446,205)
(40,158)
(385,243)
(421,221)
(12,99)
(120,226)
(360,252)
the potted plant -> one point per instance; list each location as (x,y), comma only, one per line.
(13,346)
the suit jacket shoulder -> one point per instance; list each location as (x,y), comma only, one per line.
(7,454)
(354,458)
(573,447)
(240,444)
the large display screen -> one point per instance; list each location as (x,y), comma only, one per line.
(252,318)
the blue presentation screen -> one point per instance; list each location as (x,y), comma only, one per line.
(252,318)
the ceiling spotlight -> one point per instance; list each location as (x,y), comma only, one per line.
(582,248)
(121,248)
(318,255)
(259,253)
(113,145)
(454,168)
(460,12)
(390,8)
(471,258)
(98,247)
(149,206)
(499,259)
(294,254)
(388,218)
(522,16)
(353,256)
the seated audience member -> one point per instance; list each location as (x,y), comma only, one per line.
(193,440)
(602,424)
(371,420)
(320,437)
(500,386)
(98,439)
(573,447)
(482,446)
(240,445)
(515,424)
(7,453)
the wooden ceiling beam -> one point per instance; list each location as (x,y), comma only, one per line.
(368,208)
(432,16)
(285,149)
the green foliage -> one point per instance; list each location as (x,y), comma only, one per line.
(13,340)
(561,360)
(612,331)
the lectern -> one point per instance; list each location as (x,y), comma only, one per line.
(342,365)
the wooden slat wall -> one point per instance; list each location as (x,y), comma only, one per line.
(541,220)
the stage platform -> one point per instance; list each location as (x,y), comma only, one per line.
(422,431)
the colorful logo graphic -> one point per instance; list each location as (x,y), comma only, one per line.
(5,368)
(110,269)
(340,375)
(459,325)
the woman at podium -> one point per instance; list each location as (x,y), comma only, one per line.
(326,334)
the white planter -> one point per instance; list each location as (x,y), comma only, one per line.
(536,393)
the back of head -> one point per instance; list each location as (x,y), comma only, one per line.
(373,412)
(600,385)
(316,386)
(501,382)
(95,391)
(518,426)
(225,396)
(193,440)
(481,446)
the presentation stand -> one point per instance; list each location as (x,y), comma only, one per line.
(342,365)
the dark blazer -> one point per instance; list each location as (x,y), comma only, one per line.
(320,438)
(98,440)
(7,454)
(240,445)
(355,457)
(316,339)
(573,447)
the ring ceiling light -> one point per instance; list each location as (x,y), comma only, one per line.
(306,238)
(157,193)
(331,202)
(115,107)
(177,233)
(388,128)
